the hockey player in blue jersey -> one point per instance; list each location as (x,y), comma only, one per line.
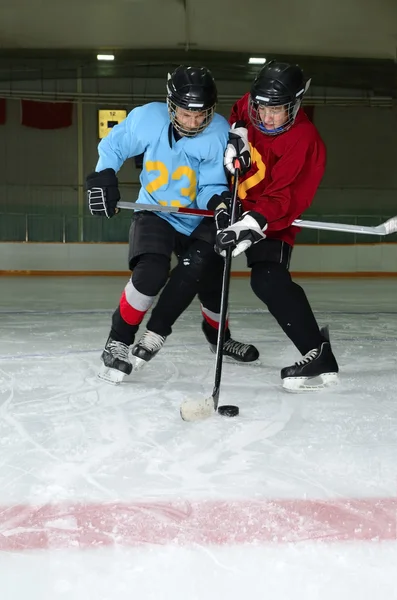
(183,143)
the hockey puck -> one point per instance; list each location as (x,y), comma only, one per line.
(228,410)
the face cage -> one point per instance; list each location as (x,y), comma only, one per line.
(208,116)
(253,112)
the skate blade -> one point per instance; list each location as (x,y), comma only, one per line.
(138,363)
(235,361)
(307,384)
(113,376)
(197,410)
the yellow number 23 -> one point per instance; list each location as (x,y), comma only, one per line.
(163,178)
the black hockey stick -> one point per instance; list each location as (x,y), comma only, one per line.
(193,410)
(226,410)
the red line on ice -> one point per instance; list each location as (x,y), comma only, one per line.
(29,527)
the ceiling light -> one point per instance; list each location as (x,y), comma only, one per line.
(254,60)
(105,56)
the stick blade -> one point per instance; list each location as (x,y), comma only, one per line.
(197,410)
(390,226)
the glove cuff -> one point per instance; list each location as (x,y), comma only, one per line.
(104,178)
(239,124)
(218,200)
(259,218)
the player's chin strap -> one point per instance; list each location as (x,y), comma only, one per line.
(273,131)
(194,410)
(386,228)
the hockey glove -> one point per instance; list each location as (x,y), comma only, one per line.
(220,204)
(103,193)
(237,147)
(248,230)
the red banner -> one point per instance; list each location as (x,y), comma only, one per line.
(2,111)
(46,115)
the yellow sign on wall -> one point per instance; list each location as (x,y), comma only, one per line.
(107,119)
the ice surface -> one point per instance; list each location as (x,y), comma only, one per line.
(106,493)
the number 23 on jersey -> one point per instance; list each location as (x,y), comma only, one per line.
(163,178)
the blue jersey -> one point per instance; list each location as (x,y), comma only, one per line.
(187,172)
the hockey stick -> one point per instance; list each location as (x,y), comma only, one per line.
(386,228)
(194,410)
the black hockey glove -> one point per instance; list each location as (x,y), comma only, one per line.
(238,147)
(248,230)
(103,193)
(221,205)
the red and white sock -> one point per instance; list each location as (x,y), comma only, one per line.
(212,318)
(134,305)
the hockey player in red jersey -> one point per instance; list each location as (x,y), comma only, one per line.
(287,157)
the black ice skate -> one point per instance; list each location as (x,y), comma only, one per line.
(236,351)
(116,362)
(147,347)
(319,363)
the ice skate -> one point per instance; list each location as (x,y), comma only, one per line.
(147,347)
(317,370)
(116,362)
(233,350)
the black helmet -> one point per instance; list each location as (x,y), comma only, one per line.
(192,89)
(277,84)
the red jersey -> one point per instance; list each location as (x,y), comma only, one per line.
(285,173)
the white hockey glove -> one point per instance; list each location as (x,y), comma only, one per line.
(238,147)
(248,230)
